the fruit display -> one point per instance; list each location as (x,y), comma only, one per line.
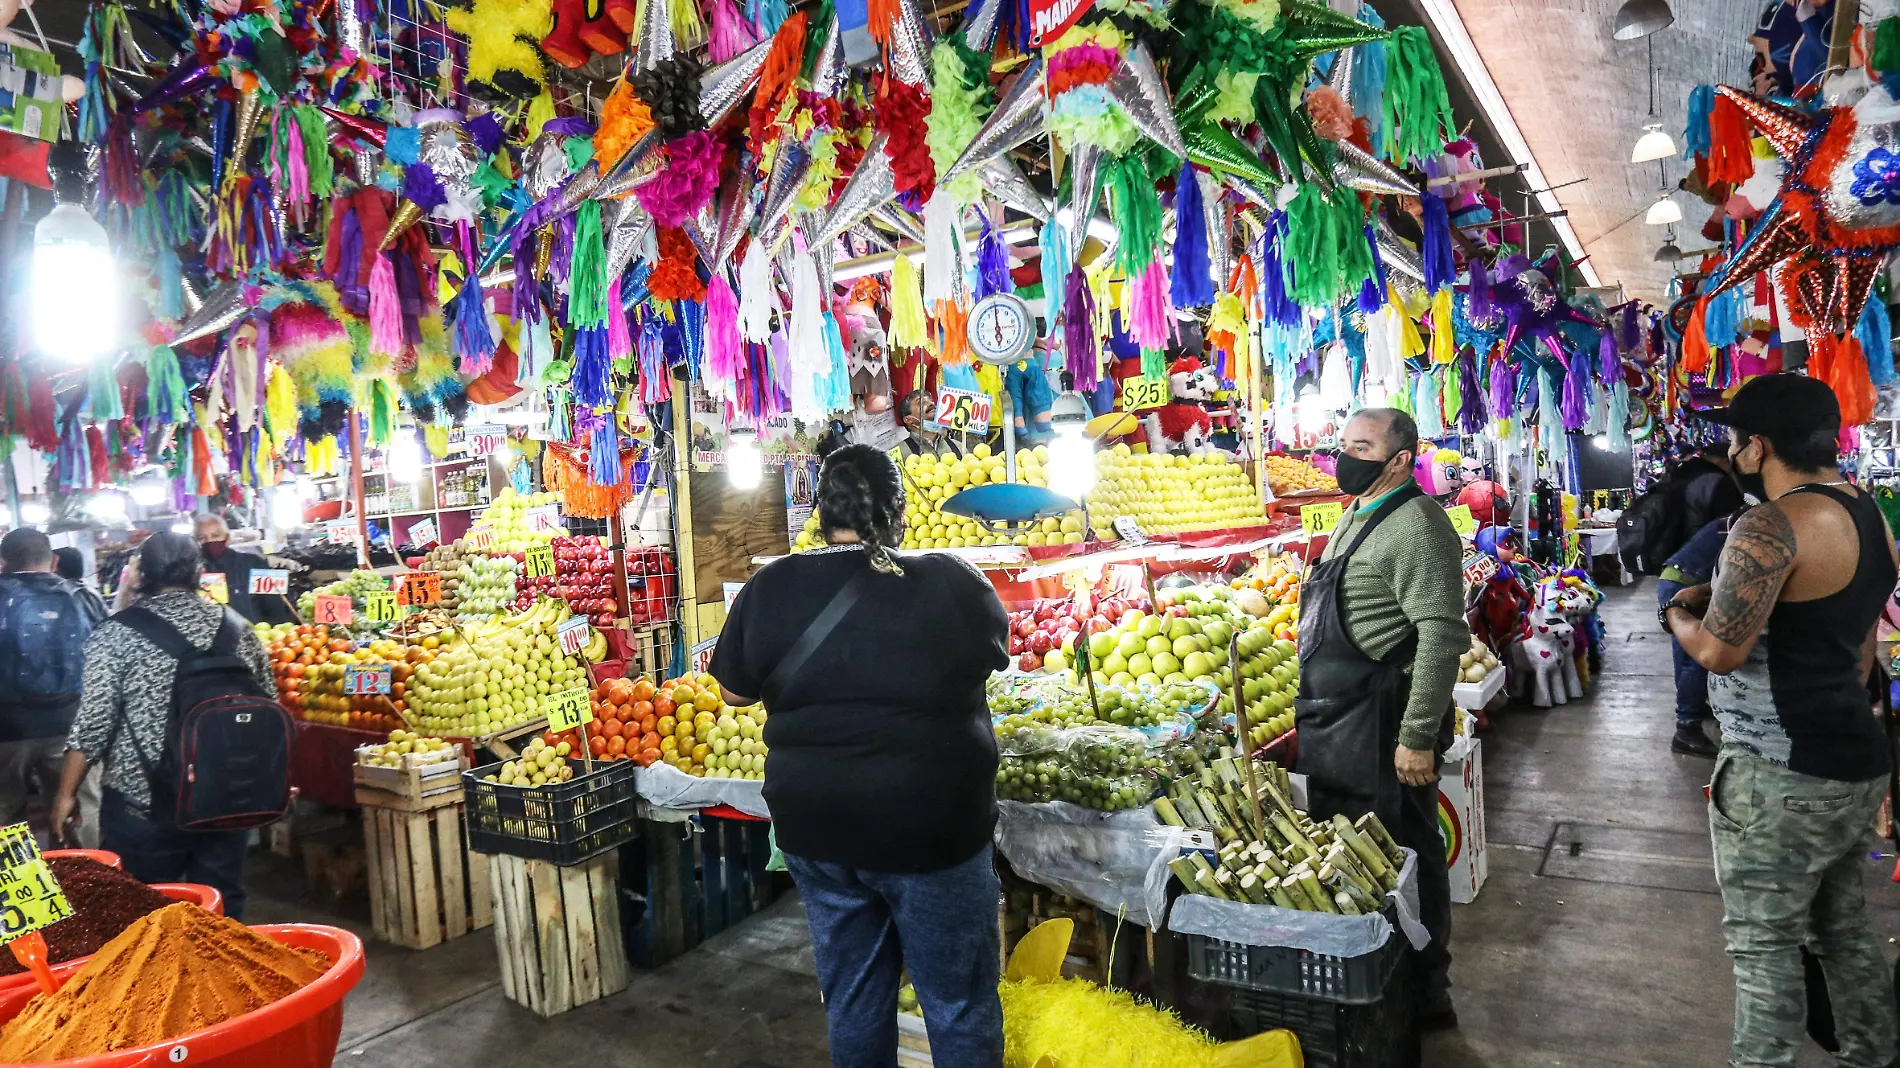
(1288,475)
(1050,626)
(626,724)
(701,735)
(484,585)
(1270,680)
(930,480)
(538,765)
(1477,662)
(405,748)
(1271,591)
(495,680)
(1185,641)
(652,585)
(447,559)
(583,578)
(507,518)
(1170,494)
(310,663)
(354,586)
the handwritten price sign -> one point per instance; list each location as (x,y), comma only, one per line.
(423,533)
(1320,518)
(363,680)
(419,588)
(340,531)
(1462,520)
(30,899)
(1129,531)
(545,520)
(568,709)
(539,561)
(1141,392)
(266,581)
(1479,567)
(379,606)
(486,439)
(965,410)
(479,539)
(572,634)
(333,610)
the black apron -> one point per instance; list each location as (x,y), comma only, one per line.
(1350,704)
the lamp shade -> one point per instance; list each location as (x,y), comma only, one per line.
(1664,212)
(1637,19)
(1668,253)
(1653,145)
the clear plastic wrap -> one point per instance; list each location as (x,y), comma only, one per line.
(1112,860)
(668,787)
(1315,932)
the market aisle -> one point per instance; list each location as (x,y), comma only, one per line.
(1597,940)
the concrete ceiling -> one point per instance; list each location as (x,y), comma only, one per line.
(1581,100)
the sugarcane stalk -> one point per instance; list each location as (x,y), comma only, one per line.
(1273,863)
(1211,887)
(1253,794)
(1337,882)
(1345,904)
(1369,855)
(1309,882)
(1293,836)
(1369,825)
(1185,872)
(1277,891)
(1251,890)
(1165,809)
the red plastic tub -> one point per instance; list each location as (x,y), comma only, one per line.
(103,856)
(300,1031)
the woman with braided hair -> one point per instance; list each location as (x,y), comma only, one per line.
(882,766)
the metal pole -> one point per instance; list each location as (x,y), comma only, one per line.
(1009,437)
(356,490)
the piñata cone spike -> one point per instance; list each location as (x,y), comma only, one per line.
(407,214)
(1784,127)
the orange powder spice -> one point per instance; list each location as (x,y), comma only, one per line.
(175,971)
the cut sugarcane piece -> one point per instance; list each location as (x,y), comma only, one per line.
(1344,903)
(1369,825)
(1323,898)
(1370,856)
(1165,809)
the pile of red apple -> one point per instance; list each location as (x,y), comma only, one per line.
(583,577)
(652,583)
(1052,623)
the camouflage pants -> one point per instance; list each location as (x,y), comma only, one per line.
(1788,857)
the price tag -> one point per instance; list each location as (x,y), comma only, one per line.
(423,533)
(419,588)
(568,709)
(702,653)
(1479,567)
(1462,520)
(1142,392)
(362,680)
(1320,518)
(1129,531)
(486,439)
(479,539)
(30,899)
(340,531)
(379,606)
(214,585)
(538,561)
(265,580)
(333,610)
(963,409)
(572,634)
(545,520)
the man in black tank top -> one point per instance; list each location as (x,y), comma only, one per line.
(1787,633)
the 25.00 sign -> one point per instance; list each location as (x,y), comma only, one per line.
(965,410)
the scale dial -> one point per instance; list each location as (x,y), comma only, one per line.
(1001,329)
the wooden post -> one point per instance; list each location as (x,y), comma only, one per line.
(356,490)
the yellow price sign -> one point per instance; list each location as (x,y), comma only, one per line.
(379,606)
(30,899)
(568,709)
(1142,392)
(215,585)
(538,562)
(1321,518)
(1462,520)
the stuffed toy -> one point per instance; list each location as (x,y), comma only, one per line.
(503,62)
(1471,469)
(1486,500)
(1027,383)
(1182,426)
(868,360)
(585,28)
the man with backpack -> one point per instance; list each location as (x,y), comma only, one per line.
(1693,494)
(43,632)
(179,707)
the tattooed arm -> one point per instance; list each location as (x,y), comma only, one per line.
(1756,562)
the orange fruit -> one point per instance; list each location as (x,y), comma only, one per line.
(649,740)
(616,746)
(707,701)
(611,728)
(643,689)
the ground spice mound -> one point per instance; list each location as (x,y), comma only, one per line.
(175,971)
(105,901)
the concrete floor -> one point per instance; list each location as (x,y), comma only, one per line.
(1607,954)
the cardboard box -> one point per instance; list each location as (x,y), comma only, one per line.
(1461,818)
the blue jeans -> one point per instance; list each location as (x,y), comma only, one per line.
(1692,679)
(867,925)
(157,854)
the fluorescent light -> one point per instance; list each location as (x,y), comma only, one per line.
(1664,212)
(150,492)
(33,513)
(1601,441)
(74,287)
(107,507)
(1451,29)
(1653,145)
(184,526)
(745,466)
(287,505)
(405,458)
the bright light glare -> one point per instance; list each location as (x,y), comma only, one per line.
(1312,411)
(745,465)
(107,507)
(149,492)
(33,513)
(1072,462)
(184,526)
(286,507)
(1601,441)
(405,458)
(74,289)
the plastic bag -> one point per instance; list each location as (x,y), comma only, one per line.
(1315,932)
(1104,858)
(668,787)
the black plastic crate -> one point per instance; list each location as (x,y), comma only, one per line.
(1285,970)
(1333,1034)
(564,823)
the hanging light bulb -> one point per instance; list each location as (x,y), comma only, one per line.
(1665,212)
(107,507)
(184,526)
(74,287)
(745,466)
(1312,411)
(405,458)
(1071,463)
(33,513)
(1655,144)
(1601,441)
(6,516)
(286,508)
(149,492)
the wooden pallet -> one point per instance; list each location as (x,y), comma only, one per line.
(557,931)
(425,887)
(699,877)
(407,788)
(913,1042)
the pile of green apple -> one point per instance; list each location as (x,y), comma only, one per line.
(1270,680)
(508,518)
(1176,645)
(484,585)
(497,678)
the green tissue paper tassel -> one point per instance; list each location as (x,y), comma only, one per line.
(578,151)
(382,411)
(1886,51)
(102,397)
(1136,210)
(316,149)
(586,278)
(165,386)
(1314,247)
(1154,364)
(1416,106)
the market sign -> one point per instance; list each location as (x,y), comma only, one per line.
(568,709)
(1462,520)
(423,533)
(572,635)
(379,606)
(479,539)
(486,439)
(1049,19)
(340,531)
(215,585)
(1321,518)
(1142,392)
(419,588)
(332,610)
(545,519)
(266,581)
(30,898)
(701,654)
(364,680)
(963,409)
(1479,567)
(1129,531)
(539,561)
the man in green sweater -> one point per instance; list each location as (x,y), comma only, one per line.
(1381,629)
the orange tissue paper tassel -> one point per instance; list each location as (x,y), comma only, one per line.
(623,120)
(1729,137)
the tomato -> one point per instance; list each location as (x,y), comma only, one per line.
(648,757)
(649,722)
(616,746)
(649,740)
(642,709)
(598,746)
(643,689)
(612,728)
(663,707)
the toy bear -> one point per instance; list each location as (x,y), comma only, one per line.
(1183,426)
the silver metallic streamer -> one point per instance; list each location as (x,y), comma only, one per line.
(1017,118)
(1004,180)
(188,290)
(1220,244)
(704,233)
(828,72)
(546,166)
(901,221)
(871,236)
(1358,169)
(579,188)
(1138,88)
(788,176)
(909,45)
(735,215)
(220,310)
(1397,254)
(652,35)
(1340,77)
(634,168)
(979,31)
(349,22)
(873,183)
(626,236)
(1085,191)
(821,256)
(722,87)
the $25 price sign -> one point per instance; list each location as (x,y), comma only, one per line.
(1140,392)
(962,409)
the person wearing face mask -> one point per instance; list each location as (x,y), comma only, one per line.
(214,541)
(1382,625)
(915,409)
(1787,631)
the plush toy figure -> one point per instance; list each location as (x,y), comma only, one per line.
(868,362)
(584,28)
(1027,383)
(1182,426)
(503,62)
(1470,469)
(1544,664)
(1487,502)
(1451,467)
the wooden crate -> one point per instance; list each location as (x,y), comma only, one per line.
(410,788)
(696,878)
(1088,948)
(557,931)
(913,1043)
(425,887)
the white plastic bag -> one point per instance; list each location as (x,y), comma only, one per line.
(1104,858)
(1315,932)
(669,787)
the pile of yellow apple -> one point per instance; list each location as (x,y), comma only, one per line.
(507,517)
(703,736)
(931,480)
(1170,494)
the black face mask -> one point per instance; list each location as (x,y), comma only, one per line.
(1356,476)
(1750,485)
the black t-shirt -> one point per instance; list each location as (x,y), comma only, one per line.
(882,756)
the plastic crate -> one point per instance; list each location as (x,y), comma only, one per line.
(1333,1034)
(565,823)
(1286,970)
